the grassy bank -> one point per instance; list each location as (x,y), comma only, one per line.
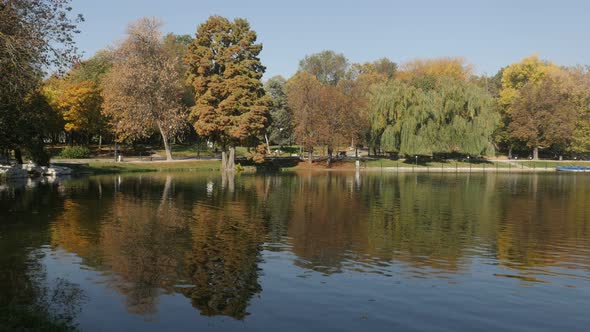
(553,163)
(141,167)
(105,167)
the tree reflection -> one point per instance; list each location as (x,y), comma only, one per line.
(227,234)
(202,235)
(29,299)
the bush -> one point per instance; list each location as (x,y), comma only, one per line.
(36,152)
(75,152)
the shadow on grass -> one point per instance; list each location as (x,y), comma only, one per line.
(270,164)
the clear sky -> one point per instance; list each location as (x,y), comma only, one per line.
(489,34)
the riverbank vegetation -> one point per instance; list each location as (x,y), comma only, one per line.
(206,93)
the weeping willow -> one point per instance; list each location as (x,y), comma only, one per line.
(453,117)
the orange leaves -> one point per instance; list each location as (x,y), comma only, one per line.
(225,71)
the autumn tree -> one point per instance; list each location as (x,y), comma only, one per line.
(544,115)
(35,35)
(142,92)
(454,67)
(304,97)
(580,77)
(323,114)
(225,71)
(80,105)
(514,77)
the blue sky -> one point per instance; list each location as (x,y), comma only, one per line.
(489,34)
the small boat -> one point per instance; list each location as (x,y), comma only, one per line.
(572,168)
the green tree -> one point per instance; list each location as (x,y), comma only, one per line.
(328,67)
(454,117)
(281,125)
(225,72)
(34,36)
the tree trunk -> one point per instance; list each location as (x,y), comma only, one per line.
(510,152)
(223,159)
(330,153)
(18,156)
(99,143)
(166,144)
(231,160)
(267,144)
(536,153)
(310,156)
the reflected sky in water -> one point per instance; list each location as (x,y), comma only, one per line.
(320,251)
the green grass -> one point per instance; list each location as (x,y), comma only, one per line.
(135,167)
(431,164)
(191,151)
(552,163)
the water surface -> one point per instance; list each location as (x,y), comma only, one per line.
(310,251)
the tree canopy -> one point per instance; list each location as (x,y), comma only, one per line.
(143,91)
(455,117)
(224,69)
(328,67)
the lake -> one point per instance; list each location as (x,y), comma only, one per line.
(309,251)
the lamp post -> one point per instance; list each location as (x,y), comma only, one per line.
(469,161)
(416,160)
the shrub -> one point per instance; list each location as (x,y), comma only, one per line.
(75,152)
(37,153)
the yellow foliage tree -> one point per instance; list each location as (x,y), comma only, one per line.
(516,75)
(455,67)
(80,106)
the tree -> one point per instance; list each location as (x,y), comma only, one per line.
(34,36)
(304,97)
(143,91)
(93,69)
(514,77)
(580,84)
(544,114)
(456,68)
(382,66)
(454,117)
(225,71)
(80,105)
(328,67)
(323,114)
(280,129)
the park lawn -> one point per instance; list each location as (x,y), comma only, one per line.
(552,163)
(131,167)
(179,150)
(431,164)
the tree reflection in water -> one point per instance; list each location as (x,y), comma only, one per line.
(202,235)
